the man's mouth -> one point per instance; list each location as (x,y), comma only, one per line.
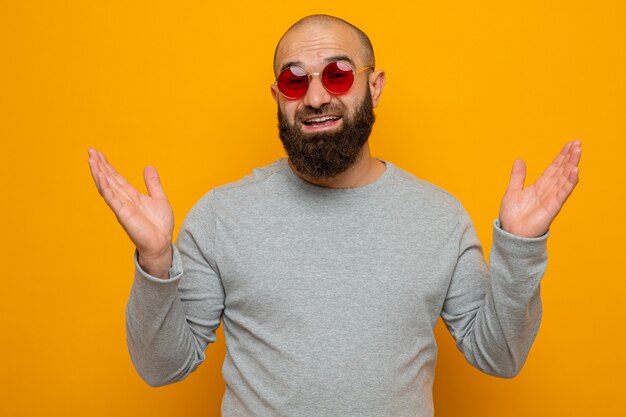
(321,122)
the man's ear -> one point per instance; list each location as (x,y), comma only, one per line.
(274,91)
(376,84)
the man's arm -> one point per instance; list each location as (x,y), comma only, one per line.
(170,319)
(494,313)
(170,322)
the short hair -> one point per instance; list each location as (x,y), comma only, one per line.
(368,49)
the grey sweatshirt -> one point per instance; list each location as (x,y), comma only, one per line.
(329,297)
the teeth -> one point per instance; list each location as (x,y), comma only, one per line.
(322,119)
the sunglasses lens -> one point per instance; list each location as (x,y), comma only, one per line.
(293,82)
(337,77)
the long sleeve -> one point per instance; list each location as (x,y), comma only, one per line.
(494,313)
(171,322)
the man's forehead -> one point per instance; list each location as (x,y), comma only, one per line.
(318,42)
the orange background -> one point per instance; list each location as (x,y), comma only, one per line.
(185,86)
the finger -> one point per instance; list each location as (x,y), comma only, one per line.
(94,169)
(102,168)
(109,190)
(566,148)
(570,165)
(575,153)
(108,168)
(518,175)
(153,183)
(574,176)
(567,188)
(124,192)
(556,166)
(109,195)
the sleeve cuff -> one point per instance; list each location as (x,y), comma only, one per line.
(175,271)
(518,245)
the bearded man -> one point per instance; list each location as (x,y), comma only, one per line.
(329,269)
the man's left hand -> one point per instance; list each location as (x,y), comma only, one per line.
(529,211)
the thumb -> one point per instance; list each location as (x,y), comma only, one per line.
(153,182)
(518,175)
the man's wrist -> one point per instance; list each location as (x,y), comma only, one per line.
(156,266)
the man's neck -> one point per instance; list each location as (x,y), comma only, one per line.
(365,171)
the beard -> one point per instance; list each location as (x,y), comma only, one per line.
(327,154)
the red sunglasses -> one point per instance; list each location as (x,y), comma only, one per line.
(337,78)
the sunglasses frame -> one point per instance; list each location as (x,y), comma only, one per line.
(311,74)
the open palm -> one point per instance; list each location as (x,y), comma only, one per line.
(147,219)
(529,211)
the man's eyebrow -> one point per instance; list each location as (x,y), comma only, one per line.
(336,58)
(289,64)
(327,60)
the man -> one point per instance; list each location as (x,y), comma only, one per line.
(329,269)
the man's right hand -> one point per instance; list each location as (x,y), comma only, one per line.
(147,219)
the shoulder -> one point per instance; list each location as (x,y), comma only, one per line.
(265,176)
(261,182)
(418,192)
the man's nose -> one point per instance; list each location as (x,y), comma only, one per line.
(316,95)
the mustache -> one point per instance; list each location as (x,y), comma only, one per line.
(327,108)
